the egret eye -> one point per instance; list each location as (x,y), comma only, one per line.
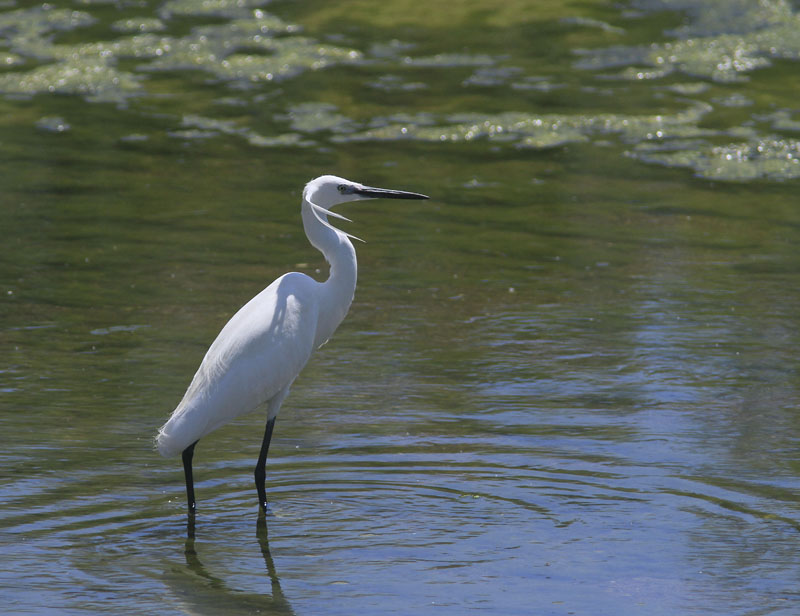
(342,188)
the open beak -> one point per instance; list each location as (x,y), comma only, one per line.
(384,193)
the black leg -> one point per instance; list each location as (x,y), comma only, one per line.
(260,473)
(187,471)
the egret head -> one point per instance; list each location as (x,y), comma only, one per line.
(329,190)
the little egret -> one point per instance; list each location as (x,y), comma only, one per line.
(261,350)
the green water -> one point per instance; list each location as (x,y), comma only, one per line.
(568,383)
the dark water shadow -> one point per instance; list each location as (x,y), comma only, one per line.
(203,592)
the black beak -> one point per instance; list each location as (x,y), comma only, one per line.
(383,193)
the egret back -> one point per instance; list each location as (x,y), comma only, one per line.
(254,359)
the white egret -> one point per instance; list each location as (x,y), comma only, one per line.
(261,350)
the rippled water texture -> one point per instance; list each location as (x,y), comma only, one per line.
(568,383)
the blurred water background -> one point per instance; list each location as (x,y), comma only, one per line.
(568,383)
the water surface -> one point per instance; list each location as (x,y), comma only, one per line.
(567,385)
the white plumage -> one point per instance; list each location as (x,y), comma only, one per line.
(261,350)
(254,359)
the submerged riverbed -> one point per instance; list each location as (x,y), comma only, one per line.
(568,383)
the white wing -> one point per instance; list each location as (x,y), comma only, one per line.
(255,358)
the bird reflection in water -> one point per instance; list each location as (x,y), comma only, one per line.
(276,601)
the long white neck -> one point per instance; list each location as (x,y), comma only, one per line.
(338,290)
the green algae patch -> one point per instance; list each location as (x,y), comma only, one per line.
(539,131)
(315,117)
(91,78)
(771,158)
(394,83)
(238,47)
(87,70)
(230,9)
(27,32)
(11,59)
(53,124)
(721,44)
(139,24)
(201,127)
(220,50)
(246,49)
(781,120)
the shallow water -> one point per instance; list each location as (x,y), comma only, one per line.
(568,383)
